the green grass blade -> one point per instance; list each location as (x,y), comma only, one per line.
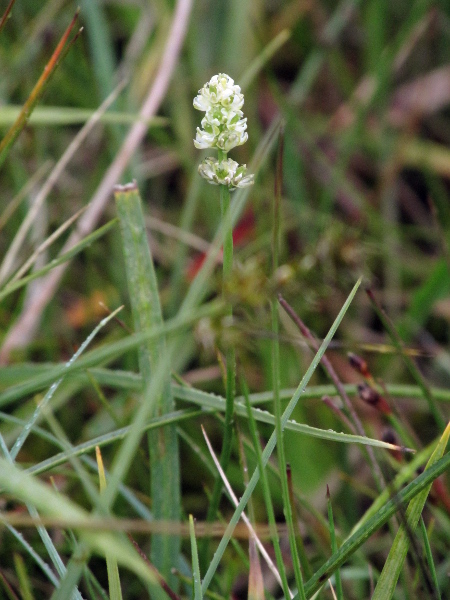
(87,241)
(272,442)
(281,454)
(23,577)
(383,515)
(215,402)
(21,121)
(101,44)
(105,353)
(31,551)
(339,592)
(112,437)
(72,575)
(23,486)
(56,116)
(263,58)
(147,313)
(195,564)
(267,497)
(389,576)
(430,560)
(115,590)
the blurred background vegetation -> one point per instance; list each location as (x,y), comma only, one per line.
(364,91)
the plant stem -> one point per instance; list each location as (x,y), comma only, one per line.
(230,359)
(230,353)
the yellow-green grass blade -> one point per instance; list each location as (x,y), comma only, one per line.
(394,563)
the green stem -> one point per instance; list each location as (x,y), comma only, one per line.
(230,359)
(228,238)
(230,353)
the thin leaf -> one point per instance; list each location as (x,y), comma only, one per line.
(23,486)
(383,515)
(56,116)
(267,497)
(273,440)
(430,560)
(115,590)
(22,576)
(21,121)
(87,241)
(195,564)
(147,313)
(389,576)
(6,14)
(334,547)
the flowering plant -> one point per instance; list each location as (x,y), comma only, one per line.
(224,128)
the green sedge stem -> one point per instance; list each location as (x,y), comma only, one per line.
(228,237)
(230,358)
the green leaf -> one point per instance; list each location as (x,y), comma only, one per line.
(23,486)
(147,313)
(115,591)
(389,576)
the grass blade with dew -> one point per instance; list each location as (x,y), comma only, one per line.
(26,430)
(43,533)
(214,402)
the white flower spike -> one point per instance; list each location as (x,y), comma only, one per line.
(226,172)
(223,127)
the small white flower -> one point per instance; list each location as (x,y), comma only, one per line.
(219,90)
(204,139)
(223,127)
(228,140)
(226,172)
(222,101)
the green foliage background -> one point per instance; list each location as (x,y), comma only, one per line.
(364,91)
